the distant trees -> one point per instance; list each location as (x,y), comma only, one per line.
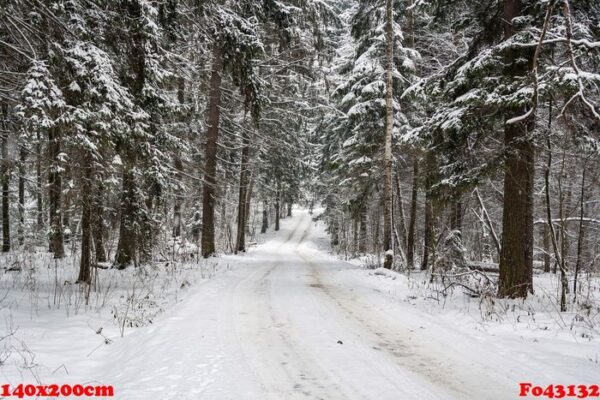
(139,121)
(354,140)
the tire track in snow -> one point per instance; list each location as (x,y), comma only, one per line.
(402,344)
(280,364)
(313,326)
(383,337)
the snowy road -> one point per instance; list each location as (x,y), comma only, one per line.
(282,326)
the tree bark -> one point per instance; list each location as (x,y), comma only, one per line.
(277,211)
(335,232)
(39,188)
(265,219)
(428,235)
(66,204)
(178,168)
(55,194)
(98,220)
(403,232)
(581,235)
(410,244)
(557,255)
(21,227)
(564,200)
(362,237)
(355,217)
(546,240)
(516,257)
(129,227)
(177,205)
(210,166)
(85,275)
(387,158)
(131,205)
(243,190)
(5,195)
(247,212)
(147,219)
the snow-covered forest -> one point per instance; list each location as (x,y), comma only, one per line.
(300,198)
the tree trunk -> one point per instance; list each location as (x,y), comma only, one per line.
(428,234)
(289,209)
(581,235)
(21,227)
(178,164)
(564,206)
(387,158)
(546,240)
(377,234)
(85,275)
(242,198)
(355,216)
(131,205)
(5,195)
(177,210)
(39,185)
(549,222)
(129,227)
(247,212)
(225,223)
(277,211)
(210,166)
(98,220)
(557,255)
(147,219)
(516,257)
(403,233)
(362,237)
(410,244)
(54,194)
(335,233)
(67,204)
(265,219)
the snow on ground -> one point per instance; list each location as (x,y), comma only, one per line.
(287,320)
(49,323)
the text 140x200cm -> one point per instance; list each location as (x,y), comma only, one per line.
(29,390)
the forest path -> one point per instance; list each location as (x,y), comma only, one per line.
(282,326)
